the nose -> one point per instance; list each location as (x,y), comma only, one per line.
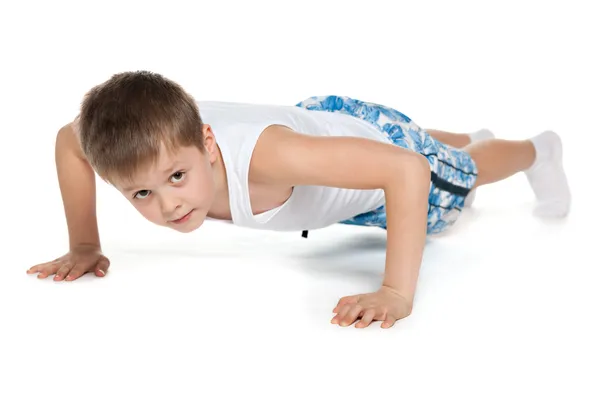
(169,206)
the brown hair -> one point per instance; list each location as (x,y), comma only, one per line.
(125,121)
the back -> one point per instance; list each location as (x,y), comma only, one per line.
(237,128)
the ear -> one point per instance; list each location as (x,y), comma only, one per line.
(210,142)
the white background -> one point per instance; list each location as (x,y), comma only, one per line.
(507,305)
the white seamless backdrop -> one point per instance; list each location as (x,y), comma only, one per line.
(506,305)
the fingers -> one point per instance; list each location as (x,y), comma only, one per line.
(72,266)
(77,271)
(45,269)
(388,322)
(347,315)
(341,313)
(345,300)
(351,315)
(41,267)
(81,269)
(102,267)
(366,319)
(37,268)
(62,272)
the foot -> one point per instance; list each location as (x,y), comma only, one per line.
(478,136)
(547,177)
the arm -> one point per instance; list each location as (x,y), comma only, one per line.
(78,189)
(289,158)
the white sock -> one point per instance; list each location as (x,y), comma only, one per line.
(547,176)
(482,134)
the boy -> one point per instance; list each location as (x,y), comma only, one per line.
(326,160)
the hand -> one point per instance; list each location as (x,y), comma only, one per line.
(385,305)
(74,264)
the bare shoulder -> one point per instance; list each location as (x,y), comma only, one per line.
(279,155)
(71,128)
(69,135)
(283,156)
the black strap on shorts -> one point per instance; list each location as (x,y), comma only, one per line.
(448,186)
(440,183)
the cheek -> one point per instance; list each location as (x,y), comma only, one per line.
(201,189)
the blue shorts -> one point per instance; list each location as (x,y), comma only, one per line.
(453,171)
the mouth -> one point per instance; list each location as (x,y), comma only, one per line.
(183,219)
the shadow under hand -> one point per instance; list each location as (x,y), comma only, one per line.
(351,246)
(359,258)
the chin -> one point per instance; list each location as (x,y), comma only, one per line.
(188,227)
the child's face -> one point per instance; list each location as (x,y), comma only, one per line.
(178,190)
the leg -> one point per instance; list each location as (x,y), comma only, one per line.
(499,159)
(457,140)
(541,160)
(460,140)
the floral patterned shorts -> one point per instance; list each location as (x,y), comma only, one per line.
(453,171)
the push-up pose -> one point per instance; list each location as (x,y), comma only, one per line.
(326,160)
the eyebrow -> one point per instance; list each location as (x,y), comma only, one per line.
(129,189)
(165,171)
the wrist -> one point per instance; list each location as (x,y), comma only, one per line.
(406,296)
(79,246)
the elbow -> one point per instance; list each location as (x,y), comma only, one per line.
(414,169)
(421,164)
(422,175)
(411,174)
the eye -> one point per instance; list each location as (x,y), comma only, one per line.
(142,194)
(177,177)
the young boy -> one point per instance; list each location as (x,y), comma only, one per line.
(326,160)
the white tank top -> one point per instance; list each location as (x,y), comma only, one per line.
(237,128)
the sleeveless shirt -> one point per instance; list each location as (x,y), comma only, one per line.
(237,127)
